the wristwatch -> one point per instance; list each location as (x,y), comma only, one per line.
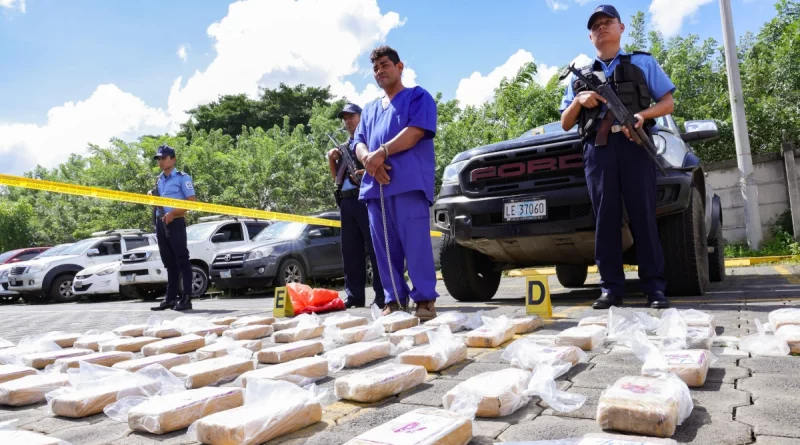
(385,150)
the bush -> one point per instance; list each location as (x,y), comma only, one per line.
(782,242)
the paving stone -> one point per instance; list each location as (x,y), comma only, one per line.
(50,424)
(140,438)
(772,440)
(600,377)
(618,359)
(725,374)
(467,369)
(787,366)
(23,415)
(491,357)
(778,416)
(575,370)
(701,428)
(428,394)
(302,436)
(549,428)
(98,434)
(719,398)
(368,418)
(770,385)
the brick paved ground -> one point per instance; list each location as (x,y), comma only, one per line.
(745,400)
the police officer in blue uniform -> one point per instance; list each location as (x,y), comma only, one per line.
(617,169)
(171,231)
(356,238)
(394,141)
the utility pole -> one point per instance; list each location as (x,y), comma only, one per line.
(747,180)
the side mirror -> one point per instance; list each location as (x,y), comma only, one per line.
(316,233)
(700,131)
(218,238)
(93,252)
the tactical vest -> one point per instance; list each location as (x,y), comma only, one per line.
(628,81)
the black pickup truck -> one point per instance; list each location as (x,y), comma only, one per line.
(541,174)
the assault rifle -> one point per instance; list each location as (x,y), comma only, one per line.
(622,115)
(348,167)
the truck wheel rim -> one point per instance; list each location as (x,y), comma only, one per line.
(197,282)
(65,289)
(292,274)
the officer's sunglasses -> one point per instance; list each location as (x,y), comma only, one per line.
(603,24)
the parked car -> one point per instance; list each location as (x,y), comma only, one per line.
(285,252)
(10,297)
(103,279)
(144,272)
(20,255)
(51,277)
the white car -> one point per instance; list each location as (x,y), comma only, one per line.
(51,277)
(102,279)
(10,297)
(143,270)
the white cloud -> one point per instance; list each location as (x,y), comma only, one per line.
(182,54)
(668,15)
(11,4)
(556,5)
(108,112)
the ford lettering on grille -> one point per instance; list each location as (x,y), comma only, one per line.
(513,169)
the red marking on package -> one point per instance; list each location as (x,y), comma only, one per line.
(637,389)
(411,428)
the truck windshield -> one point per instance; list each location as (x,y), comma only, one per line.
(200,232)
(80,247)
(55,251)
(281,230)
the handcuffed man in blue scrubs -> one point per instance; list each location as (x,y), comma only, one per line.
(394,141)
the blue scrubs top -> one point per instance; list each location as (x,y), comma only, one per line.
(413,169)
(658,82)
(177,185)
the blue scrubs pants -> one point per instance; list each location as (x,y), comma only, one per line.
(617,172)
(408,227)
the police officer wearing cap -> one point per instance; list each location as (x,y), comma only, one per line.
(171,231)
(356,238)
(617,169)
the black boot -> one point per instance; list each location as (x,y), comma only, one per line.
(184,304)
(351,302)
(607,300)
(657,300)
(163,306)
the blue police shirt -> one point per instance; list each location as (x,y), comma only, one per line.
(413,169)
(347,184)
(177,185)
(658,82)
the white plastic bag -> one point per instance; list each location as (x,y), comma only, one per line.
(380,382)
(694,317)
(490,394)
(93,339)
(344,321)
(543,384)
(791,334)
(526,353)
(26,346)
(673,330)
(588,338)
(337,336)
(621,323)
(253,320)
(763,344)
(357,354)
(284,352)
(781,317)
(493,333)
(455,320)
(397,321)
(10,435)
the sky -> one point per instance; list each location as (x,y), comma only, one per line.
(76,72)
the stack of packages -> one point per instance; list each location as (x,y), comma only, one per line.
(444,350)
(355,334)
(286,352)
(218,370)
(493,333)
(587,338)
(12,436)
(423,426)
(357,354)
(308,326)
(379,383)
(301,372)
(786,325)
(95,387)
(271,409)
(177,345)
(251,327)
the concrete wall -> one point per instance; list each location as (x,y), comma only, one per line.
(773,196)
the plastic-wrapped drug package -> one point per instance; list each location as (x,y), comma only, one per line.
(285,324)
(177,345)
(167,360)
(423,426)
(216,330)
(455,320)
(298,333)
(345,321)
(397,321)
(271,409)
(26,346)
(87,402)
(63,339)
(220,348)
(379,383)
(357,354)
(791,334)
(173,412)
(763,344)
(285,352)
(588,338)
(782,317)
(134,344)
(354,335)
(527,324)
(694,317)
(690,365)
(255,345)
(97,358)
(22,437)
(496,393)
(493,333)
(162,331)
(651,406)
(598,320)
(13,372)
(251,332)
(213,371)
(31,389)
(300,371)
(253,320)
(699,337)
(418,334)
(93,341)
(444,350)
(526,353)
(131,330)
(224,321)
(40,360)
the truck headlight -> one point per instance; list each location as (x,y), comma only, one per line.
(451,172)
(259,253)
(4,274)
(660,143)
(38,268)
(154,256)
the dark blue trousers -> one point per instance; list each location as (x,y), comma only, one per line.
(175,256)
(356,241)
(623,172)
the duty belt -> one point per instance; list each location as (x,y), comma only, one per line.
(350,193)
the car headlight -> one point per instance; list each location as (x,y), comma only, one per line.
(451,172)
(38,268)
(108,270)
(259,253)
(154,256)
(4,274)
(660,143)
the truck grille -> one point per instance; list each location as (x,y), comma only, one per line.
(17,270)
(228,261)
(134,257)
(554,213)
(538,169)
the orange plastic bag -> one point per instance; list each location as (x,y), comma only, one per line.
(305,299)
(300,295)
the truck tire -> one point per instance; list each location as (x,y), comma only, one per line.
(9,299)
(199,281)
(685,247)
(467,274)
(61,289)
(137,293)
(571,275)
(716,259)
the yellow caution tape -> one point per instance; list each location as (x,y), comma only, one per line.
(135,198)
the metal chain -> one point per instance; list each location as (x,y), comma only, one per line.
(388,256)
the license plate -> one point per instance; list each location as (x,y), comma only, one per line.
(77,284)
(224,274)
(524,209)
(130,278)
(12,281)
